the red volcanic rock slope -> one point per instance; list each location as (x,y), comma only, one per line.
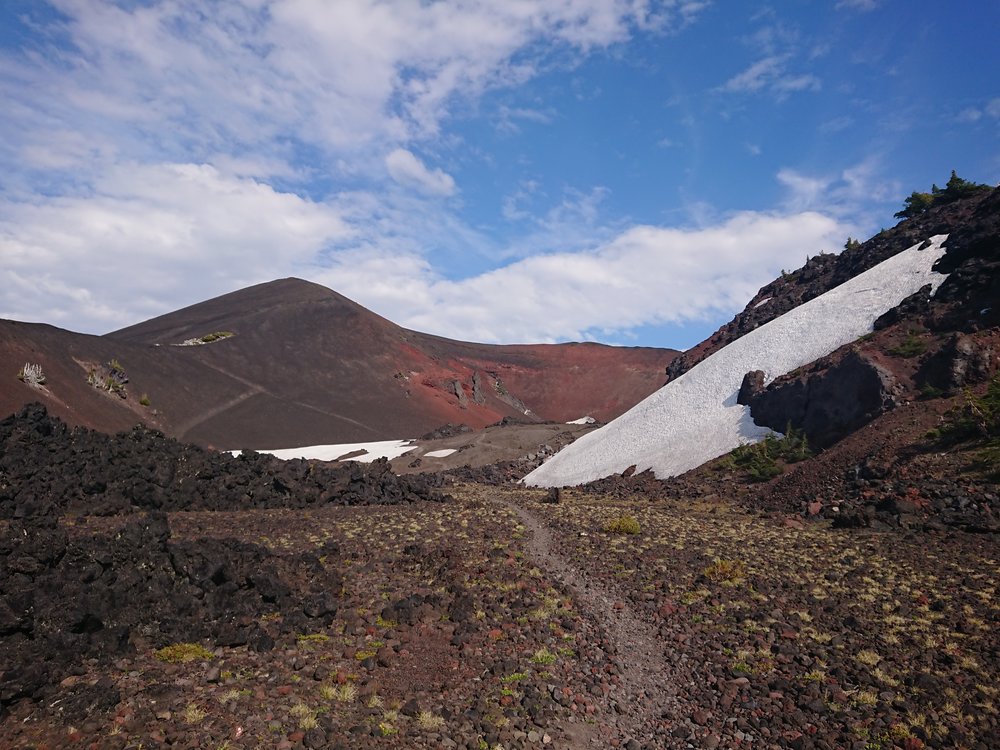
(305,365)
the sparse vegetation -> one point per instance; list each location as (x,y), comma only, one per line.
(193,714)
(31,374)
(429,721)
(976,421)
(623,524)
(543,656)
(208,338)
(912,346)
(977,418)
(725,571)
(182,653)
(110,377)
(759,461)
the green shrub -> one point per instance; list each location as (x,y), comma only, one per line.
(911,346)
(543,656)
(759,461)
(955,189)
(623,524)
(976,421)
(928,392)
(144,400)
(977,418)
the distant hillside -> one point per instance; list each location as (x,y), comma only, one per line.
(291,363)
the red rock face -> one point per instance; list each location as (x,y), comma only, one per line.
(307,366)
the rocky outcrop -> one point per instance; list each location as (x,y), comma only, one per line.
(959,363)
(969,294)
(828,402)
(455,386)
(752,385)
(477,388)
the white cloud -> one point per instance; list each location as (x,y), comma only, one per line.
(758,75)
(183,82)
(970,114)
(770,74)
(993,108)
(643,275)
(153,238)
(854,192)
(149,238)
(508,118)
(862,5)
(804,191)
(408,170)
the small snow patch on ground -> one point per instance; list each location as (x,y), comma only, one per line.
(583,420)
(695,418)
(444,452)
(380,449)
(762,302)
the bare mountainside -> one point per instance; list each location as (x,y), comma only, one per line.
(291,363)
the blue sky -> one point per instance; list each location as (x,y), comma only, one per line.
(626,171)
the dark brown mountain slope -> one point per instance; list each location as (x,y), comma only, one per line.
(306,365)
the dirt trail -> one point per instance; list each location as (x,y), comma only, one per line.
(647,691)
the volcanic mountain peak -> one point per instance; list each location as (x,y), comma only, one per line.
(260,301)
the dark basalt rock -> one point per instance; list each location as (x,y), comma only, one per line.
(915,306)
(48,469)
(752,385)
(65,601)
(829,403)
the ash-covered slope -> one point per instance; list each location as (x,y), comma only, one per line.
(695,417)
(291,363)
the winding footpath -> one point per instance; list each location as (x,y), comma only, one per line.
(647,692)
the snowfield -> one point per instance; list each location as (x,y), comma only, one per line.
(695,418)
(442,453)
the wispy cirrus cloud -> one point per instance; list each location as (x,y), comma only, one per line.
(862,5)
(778,48)
(771,74)
(408,170)
(849,194)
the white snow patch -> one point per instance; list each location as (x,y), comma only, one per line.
(380,449)
(762,302)
(441,453)
(583,420)
(695,418)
